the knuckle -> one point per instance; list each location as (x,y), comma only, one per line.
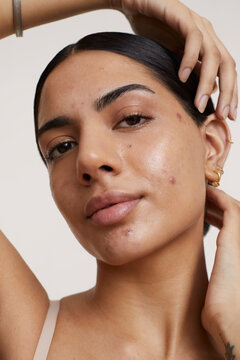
(235,207)
(208,82)
(197,33)
(229,59)
(226,90)
(216,53)
(207,22)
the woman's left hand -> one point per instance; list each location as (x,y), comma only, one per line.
(221,312)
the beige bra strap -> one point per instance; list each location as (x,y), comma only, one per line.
(47,331)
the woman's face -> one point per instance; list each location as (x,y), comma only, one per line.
(138,140)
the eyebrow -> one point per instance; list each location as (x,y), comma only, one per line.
(100,104)
(57,122)
(111,96)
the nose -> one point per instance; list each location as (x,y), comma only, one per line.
(98,156)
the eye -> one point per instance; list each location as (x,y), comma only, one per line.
(134,120)
(58,150)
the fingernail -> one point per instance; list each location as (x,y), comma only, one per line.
(185,74)
(203,103)
(226,111)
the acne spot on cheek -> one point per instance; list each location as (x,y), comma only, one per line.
(180,118)
(172,180)
(129,146)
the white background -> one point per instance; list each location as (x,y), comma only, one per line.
(28,215)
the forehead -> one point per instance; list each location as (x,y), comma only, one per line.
(87,75)
(87,63)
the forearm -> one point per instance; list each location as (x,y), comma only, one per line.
(37,12)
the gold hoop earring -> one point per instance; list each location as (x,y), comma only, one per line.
(219,168)
(219,172)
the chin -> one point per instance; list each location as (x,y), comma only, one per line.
(128,244)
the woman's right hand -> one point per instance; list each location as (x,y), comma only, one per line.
(182,30)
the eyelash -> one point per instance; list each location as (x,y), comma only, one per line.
(135,116)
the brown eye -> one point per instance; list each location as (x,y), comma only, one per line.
(134,120)
(63,147)
(58,150)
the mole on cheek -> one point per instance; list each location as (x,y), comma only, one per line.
(129,145)
(172,180)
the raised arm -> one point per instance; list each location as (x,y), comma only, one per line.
(173,24)
(40,12)
(167,21)
(23,304)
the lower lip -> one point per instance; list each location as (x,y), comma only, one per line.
(114,213)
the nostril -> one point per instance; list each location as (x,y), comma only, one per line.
(106,167)
(86,177)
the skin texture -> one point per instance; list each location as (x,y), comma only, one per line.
(151,267)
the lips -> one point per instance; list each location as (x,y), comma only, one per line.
(107,199)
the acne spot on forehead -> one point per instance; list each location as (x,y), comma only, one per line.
(172,180)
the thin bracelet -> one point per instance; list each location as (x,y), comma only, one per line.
(17,18)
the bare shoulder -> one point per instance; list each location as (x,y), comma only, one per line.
(76,328)
(23,305)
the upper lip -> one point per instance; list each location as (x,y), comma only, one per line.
(106,199)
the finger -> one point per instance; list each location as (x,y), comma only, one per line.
(212,219)
(234,103)
(230,207)
(227,80)
(197,70)
(210,65)
(213,207)
(215,88)
(229,72)
(191,54)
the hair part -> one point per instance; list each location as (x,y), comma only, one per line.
(161,62)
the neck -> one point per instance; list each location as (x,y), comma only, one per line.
(163,292)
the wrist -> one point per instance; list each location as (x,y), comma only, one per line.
(226,336)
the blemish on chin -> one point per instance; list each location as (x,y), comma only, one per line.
(128,232)
(172,180)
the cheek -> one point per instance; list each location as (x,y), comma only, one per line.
(160,163)
(173,171)
(62,189)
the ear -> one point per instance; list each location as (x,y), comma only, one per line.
(215,133)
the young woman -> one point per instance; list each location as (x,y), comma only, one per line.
(118,129)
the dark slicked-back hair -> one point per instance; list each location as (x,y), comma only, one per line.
(161,62)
